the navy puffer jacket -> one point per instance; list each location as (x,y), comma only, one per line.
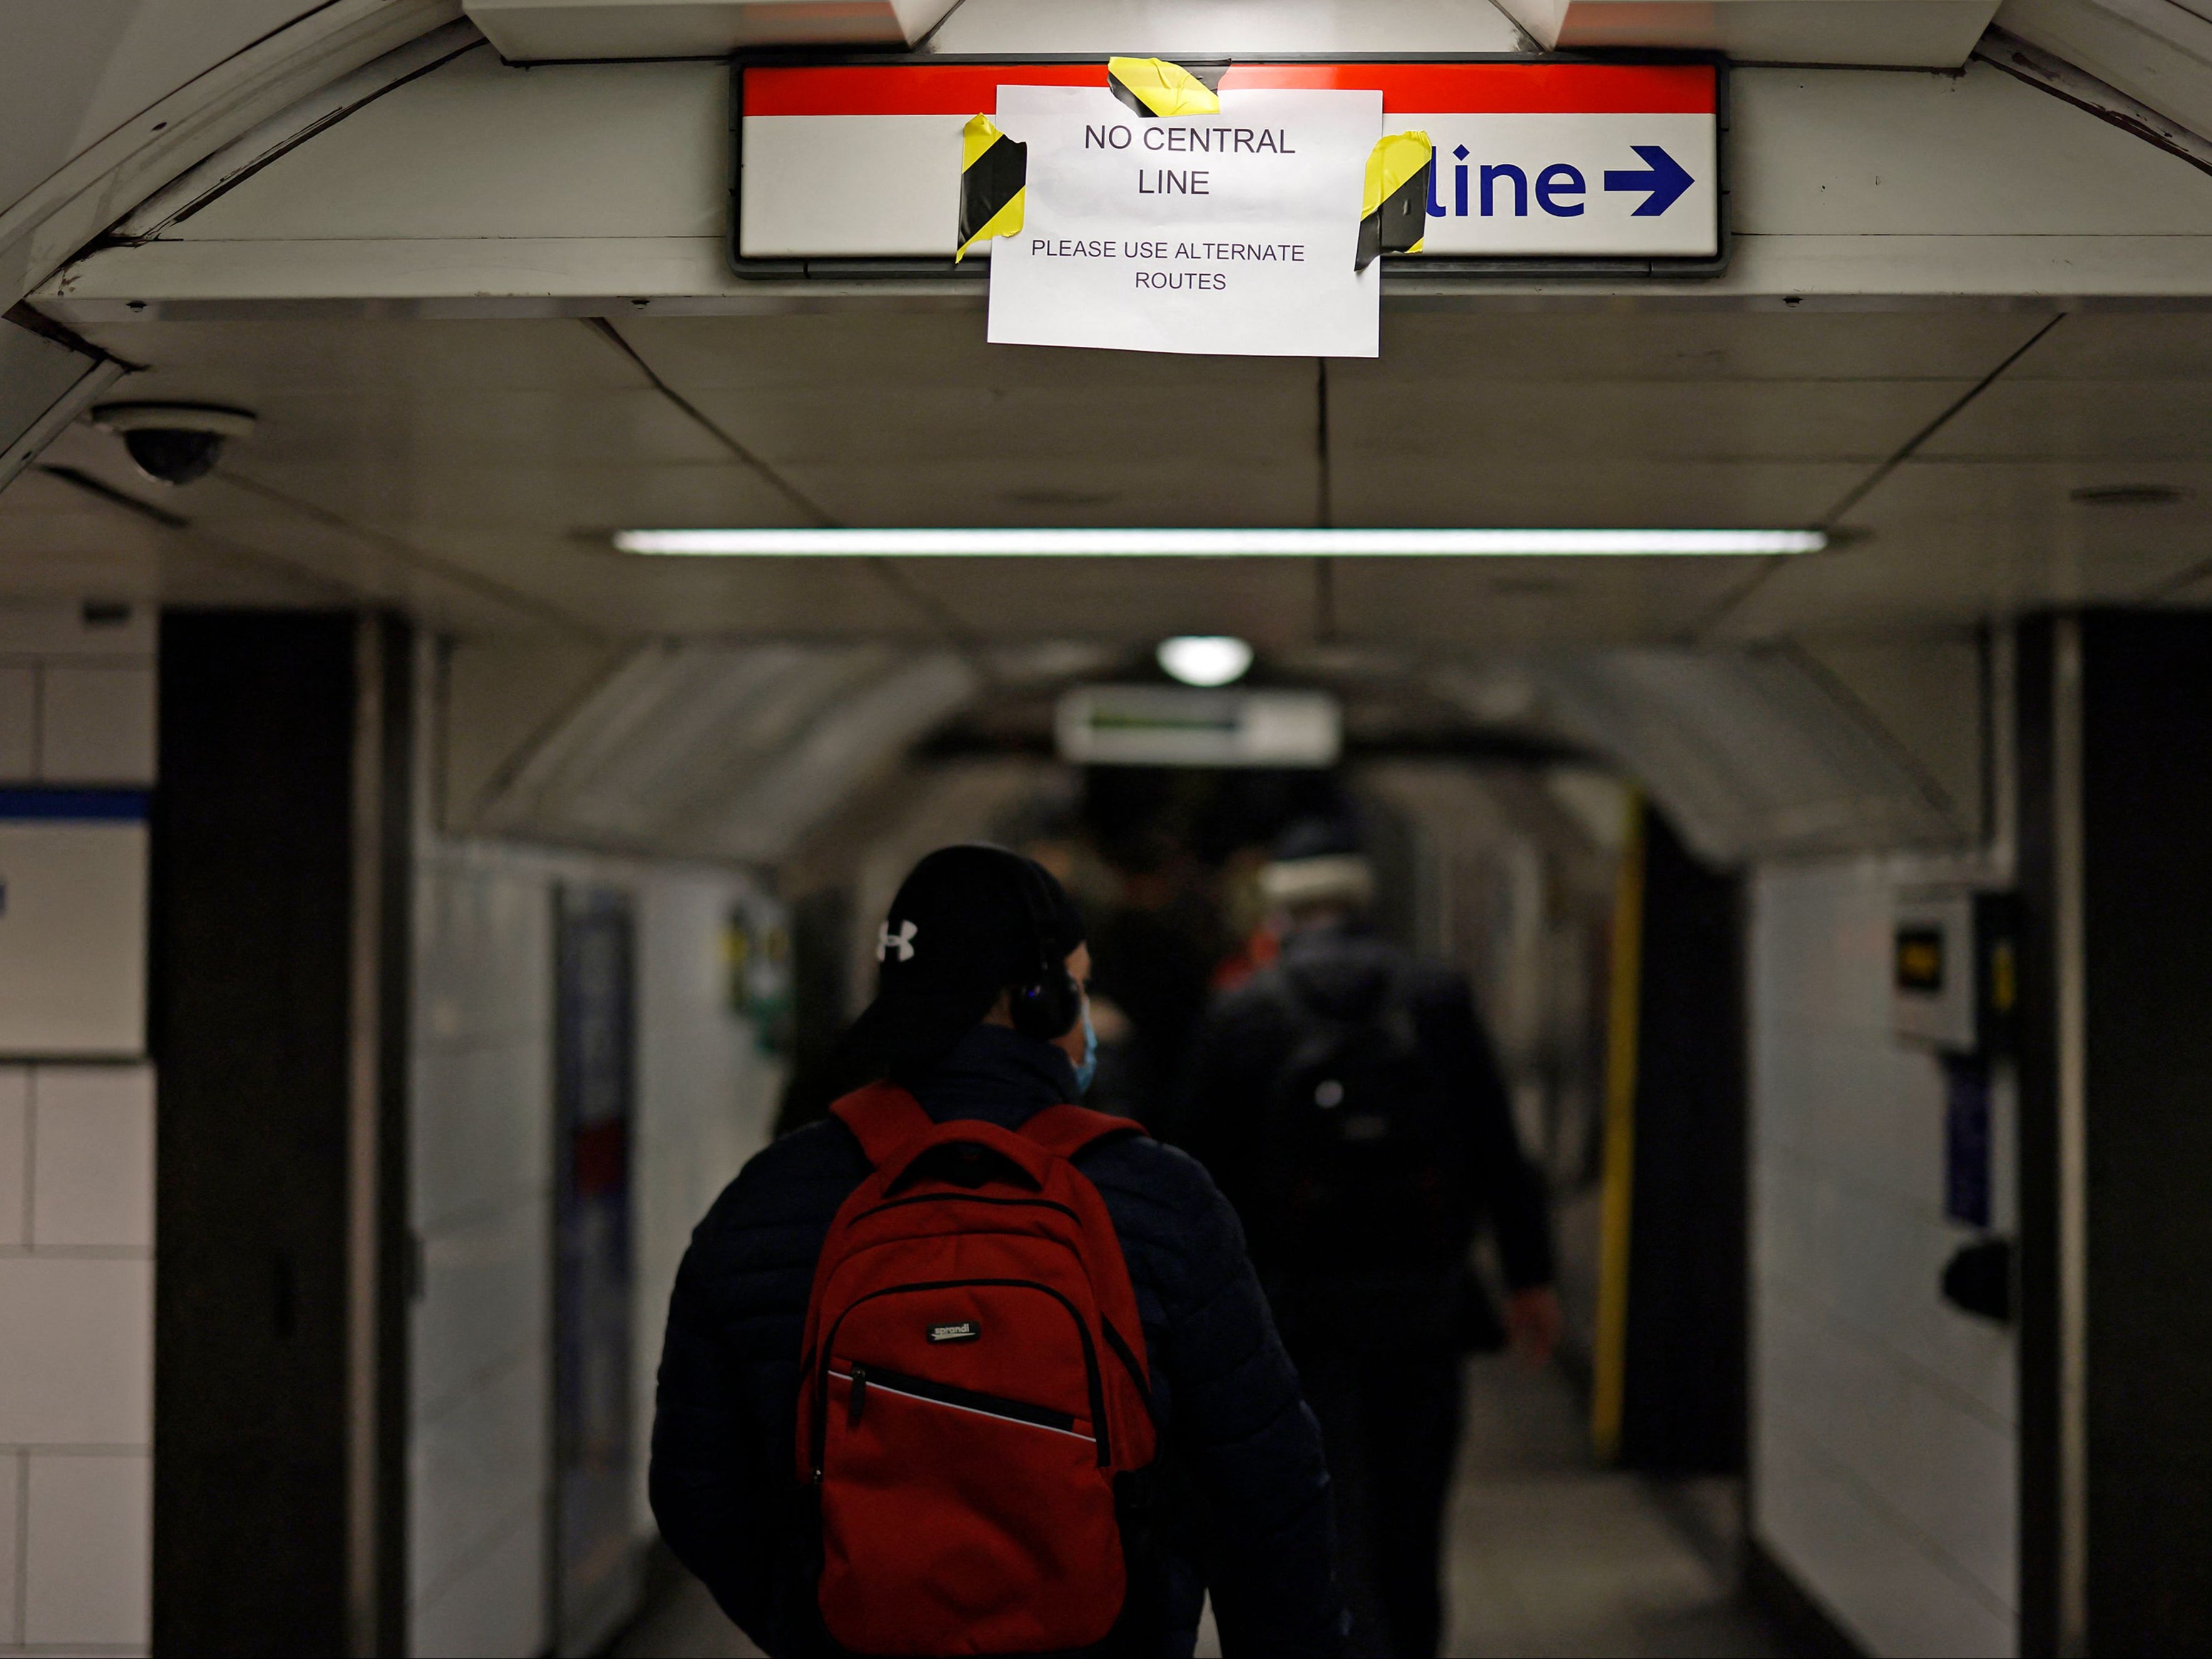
(1241,1450)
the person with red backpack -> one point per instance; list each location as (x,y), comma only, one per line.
(967,1369)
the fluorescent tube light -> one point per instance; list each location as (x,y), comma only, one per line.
(1213,544)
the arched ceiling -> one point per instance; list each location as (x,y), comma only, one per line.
(467,471)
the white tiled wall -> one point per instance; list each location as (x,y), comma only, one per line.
(1883,1435)
(77,1363)
(707,1098)
(482,1136)
(76,1201)
(481,1133)
(76,695)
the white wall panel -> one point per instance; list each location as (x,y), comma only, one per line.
(1900,1601)
(473,1149)
(96,723)
(15,1159)
(482,1198)
(707,1103)
(88,1532)
(12,1475)
(94,1129)
(77,1140)
(19,723)
(494,1607)
(72,937)
(1884,1442)
(484,1457)
(486,1284)
(77,1367)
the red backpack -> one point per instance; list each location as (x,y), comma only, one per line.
(975,1418)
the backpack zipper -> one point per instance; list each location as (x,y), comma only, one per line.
(1128,1358)
(869,1380)
(1096,1384)
(968,1198)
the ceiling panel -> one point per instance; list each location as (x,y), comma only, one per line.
(456,429)
(1636,420)
(619,593)
(1271,601)
(473,469)
(987,491)
(58,542)
(452,502)
(341,358)
(1496,604)
(895,346)
(1958,542)
(2116,420)
(2154,345)
(1414,490)
(878,422)
(1878,588)
(1453,344)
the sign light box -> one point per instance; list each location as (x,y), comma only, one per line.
(849,168)
(1182,726)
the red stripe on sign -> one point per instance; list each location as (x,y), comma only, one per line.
(903,89)
(1502,88)
(1406,88)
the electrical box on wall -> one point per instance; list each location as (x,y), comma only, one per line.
(72,923)
(1955,976)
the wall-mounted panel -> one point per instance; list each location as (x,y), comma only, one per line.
(72,923)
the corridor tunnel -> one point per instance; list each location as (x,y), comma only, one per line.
(415,906)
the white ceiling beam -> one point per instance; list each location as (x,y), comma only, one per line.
(103,182)
(2151,50)
(567,31)
(2056,76)
(1893,33)
(45,384)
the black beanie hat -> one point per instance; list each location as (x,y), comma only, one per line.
(967,923)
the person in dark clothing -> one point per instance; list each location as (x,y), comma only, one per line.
(1248,1512)
(1153,960)
(1348,1103)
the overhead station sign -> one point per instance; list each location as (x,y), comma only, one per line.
(848,169)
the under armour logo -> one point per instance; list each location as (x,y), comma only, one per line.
(902,941)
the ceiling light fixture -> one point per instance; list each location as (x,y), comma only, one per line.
(1205,659)
(1216,543)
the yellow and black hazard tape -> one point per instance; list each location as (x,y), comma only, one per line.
(994,175)
(1394,214)
(1153,87)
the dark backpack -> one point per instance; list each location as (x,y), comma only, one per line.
(1363,1167)
(974,1413)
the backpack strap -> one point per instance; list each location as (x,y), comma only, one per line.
(1067,1130)
(883,1118)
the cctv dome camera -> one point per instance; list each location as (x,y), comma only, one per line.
(173,443)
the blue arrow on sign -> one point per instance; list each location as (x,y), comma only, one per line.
(1666,179)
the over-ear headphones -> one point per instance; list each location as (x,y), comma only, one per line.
(1049,1002)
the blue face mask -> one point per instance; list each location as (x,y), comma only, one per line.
(1088,1072)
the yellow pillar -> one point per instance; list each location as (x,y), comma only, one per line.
(1610,1363)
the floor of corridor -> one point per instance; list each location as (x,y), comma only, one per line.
(1549,1556)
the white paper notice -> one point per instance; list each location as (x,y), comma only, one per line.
(1232,233)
